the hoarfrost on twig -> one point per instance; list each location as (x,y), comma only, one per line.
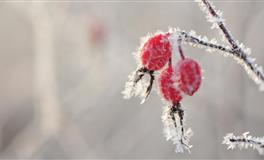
(240,52)
(244,141)
(173,116)
(133,88)
(174,130)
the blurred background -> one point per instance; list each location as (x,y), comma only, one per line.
(63,66)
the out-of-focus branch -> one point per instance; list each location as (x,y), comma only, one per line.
(47,117)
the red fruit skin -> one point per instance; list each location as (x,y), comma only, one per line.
(188,76)
(167,86)
(156,52)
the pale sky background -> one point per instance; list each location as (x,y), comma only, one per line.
(60,90)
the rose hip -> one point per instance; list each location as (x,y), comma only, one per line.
(168,87)
(188,76)
(156,52)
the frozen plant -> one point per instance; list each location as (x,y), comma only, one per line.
(173,120)
(176,81)
(244,141)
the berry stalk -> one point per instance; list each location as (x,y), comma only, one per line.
(240,54)
(180,48)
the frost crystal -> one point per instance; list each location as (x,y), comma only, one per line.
(240,54)
(238,51)
(215,20)
(174,39)
(174,129)
(134,89)
(244,141)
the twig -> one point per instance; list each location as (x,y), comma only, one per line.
(173,120)
(240,52)
(180,48)
(244,141)
(188,37)
(221,24)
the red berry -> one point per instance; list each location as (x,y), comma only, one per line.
(188,76)
(168,87)
(156,52)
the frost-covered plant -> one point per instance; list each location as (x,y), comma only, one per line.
(184,78)
(173,120)
(244,141)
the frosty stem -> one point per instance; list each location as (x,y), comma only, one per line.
(180,48)
(244,141)
(176,109)
(238,50)
(221,25)
(196,40)
(170,63)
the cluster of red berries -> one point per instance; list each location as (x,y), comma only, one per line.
(174,81)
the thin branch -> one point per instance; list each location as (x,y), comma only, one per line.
(255,72)
(241,53)
(173,120)
(221,24)
(180,48)
(187,37)
(244,141)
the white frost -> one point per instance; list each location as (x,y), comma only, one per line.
(244,141)
(181,140)
(132,89)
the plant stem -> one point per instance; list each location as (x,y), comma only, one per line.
(180,49)
(221,25)
(255,72)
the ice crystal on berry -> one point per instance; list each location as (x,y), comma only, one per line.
(168,89)
(188,76)
(156,52)
(184,79)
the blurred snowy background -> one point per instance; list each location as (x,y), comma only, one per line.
(64,64)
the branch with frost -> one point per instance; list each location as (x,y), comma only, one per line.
(244,141)
(137,85)
(239,53)
(173,118)
(193,39)
(174,122)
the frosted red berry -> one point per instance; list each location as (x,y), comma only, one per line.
(156,52)
(168,87)
(188,76)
